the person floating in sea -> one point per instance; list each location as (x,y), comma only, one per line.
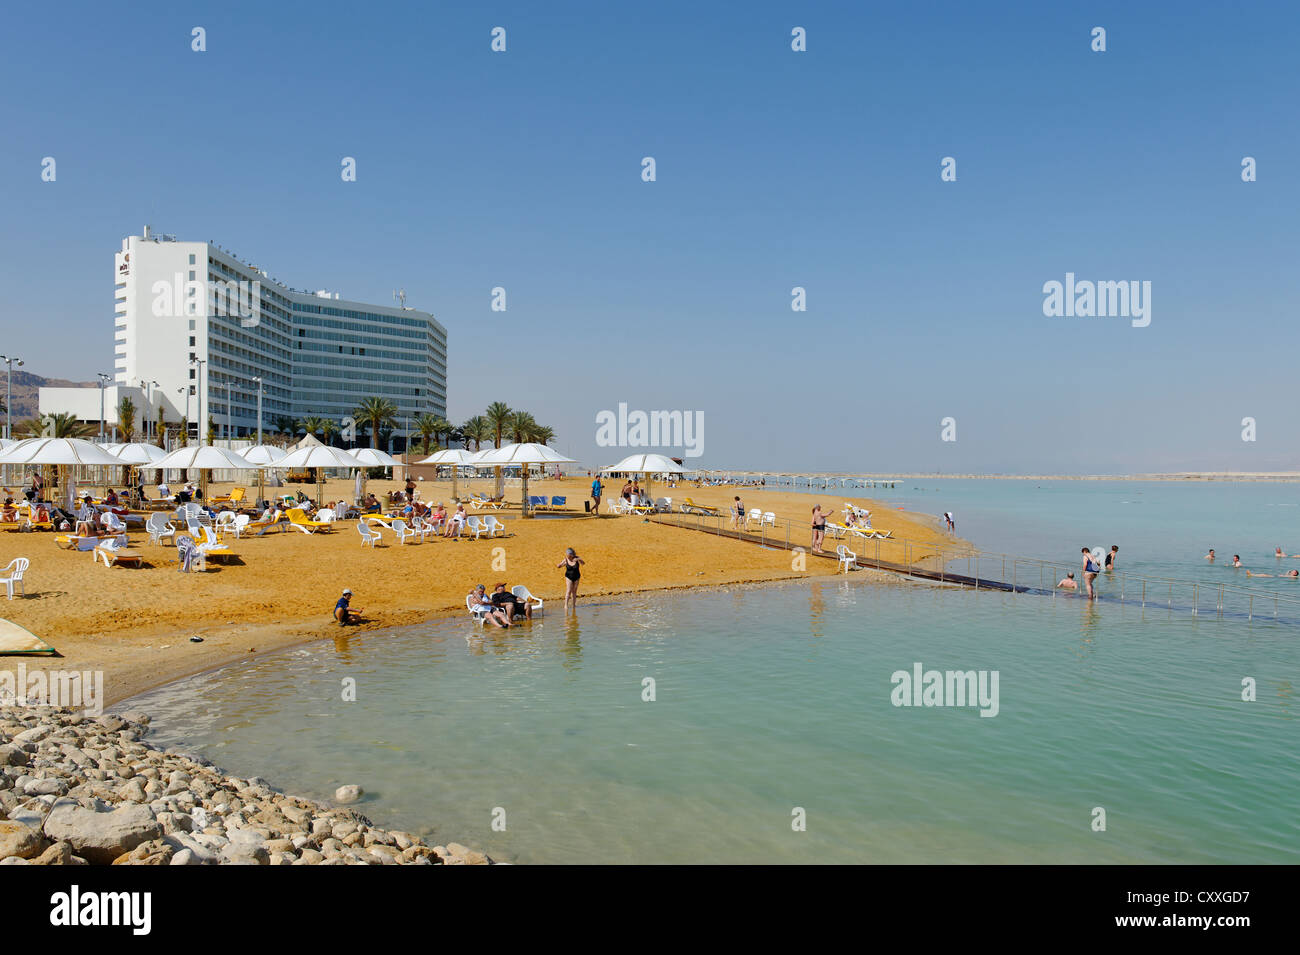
(1277,552)
(344,612)
(1210,555)
(1068,582)
(1236,560)
(1112,557)
(1292,574)
(1090,571)
(572,565)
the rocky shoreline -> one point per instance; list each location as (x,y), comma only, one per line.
(78,790)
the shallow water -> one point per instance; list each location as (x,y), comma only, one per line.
(774,697)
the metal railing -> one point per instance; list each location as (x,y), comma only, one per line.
(954,564)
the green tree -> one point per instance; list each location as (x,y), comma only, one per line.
(521,425)
(313,425)
(476,429)
(126,419)
(377,414)
(328,429)
(427,425)
(543,434)
(498,418)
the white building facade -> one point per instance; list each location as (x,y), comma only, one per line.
(195,327)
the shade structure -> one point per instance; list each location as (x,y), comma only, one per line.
(137,453)
(57,451)
(308,441)
(267,455)
(203,458)
(455,458)
(318,456)
(523,455)
(646,465)
(370,458)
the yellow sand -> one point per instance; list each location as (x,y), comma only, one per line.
(136,624)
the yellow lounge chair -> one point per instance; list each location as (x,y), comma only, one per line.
(299,520)
(690,506)
(234,497)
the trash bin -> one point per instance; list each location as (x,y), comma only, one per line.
(586,506)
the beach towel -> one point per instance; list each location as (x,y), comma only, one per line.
(185,551)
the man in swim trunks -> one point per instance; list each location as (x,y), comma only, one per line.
(1068,582)
(343,612)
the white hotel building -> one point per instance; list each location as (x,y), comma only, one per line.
(194,326)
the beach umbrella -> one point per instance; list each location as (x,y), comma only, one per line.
(135,454)
(266,455)
(371,458)
(646,465)
(456,458)
(523,455)
(57,451)
(318,456)
(204,458)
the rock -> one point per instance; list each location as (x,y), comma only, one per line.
(155,852)
(348,794)
(33,735)
(100,837)
(58,854)
(311,857)
(19,839)
(133,792)
(11,755)
(243,853)
(184,857)
(45,787)
(111,723)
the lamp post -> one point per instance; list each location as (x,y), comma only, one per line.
(9,393)
(103,380)
(259,410)
(198,391)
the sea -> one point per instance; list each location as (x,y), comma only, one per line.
(823,721)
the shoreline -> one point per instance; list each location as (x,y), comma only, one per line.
(1282,477)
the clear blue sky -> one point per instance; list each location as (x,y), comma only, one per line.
(775,169)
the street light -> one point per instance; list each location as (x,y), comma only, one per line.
(198,391)
(9,393)
(259,410)
(103,380)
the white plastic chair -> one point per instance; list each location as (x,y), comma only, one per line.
(477,610)
(493,526)
(402,531)
(755,515)
(522,592)
(368,534)
(159,528)
(113,524)
(472,523)
(240,524)
(769,518)
(13,574)
(848,559)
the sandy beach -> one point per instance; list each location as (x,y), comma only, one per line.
(279,589)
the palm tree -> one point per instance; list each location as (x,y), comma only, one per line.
(56,425)
(377,414)
(284,424)
(456,435)
(498,419)
(313,425)
(521,425)
(543,434)
(212,430)
(476,429)
(328,429)
(126,419)
(441,427)
(427,425)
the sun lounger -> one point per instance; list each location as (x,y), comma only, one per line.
(300,521)
(111,552)
(234,497)
(690,507)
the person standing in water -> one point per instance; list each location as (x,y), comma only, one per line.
(572,565)
(1090,571)
(1112,557)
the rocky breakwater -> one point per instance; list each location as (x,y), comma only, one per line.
(76,790)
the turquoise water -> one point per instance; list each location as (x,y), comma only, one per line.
(1163,528)
(775,697)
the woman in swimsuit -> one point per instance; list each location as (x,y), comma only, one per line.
(819,528)
(572,565)
(1090,571)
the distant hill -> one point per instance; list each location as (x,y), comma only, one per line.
(26,387)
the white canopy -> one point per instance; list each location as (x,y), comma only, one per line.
(57,451)
(137,453)
(264,454)
(644,464)
(374,458)
(7,442)
(202,457)
(449,456)
(318,456)
(308,441)
(527,453)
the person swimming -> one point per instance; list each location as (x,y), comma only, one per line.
(1210,555)
(1068,582)
(1291,574)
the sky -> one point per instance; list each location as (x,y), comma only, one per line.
(774,169)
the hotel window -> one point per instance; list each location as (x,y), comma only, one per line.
(191,373)
(191,263)
(191,341)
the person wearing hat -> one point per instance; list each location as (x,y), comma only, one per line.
(343,612)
